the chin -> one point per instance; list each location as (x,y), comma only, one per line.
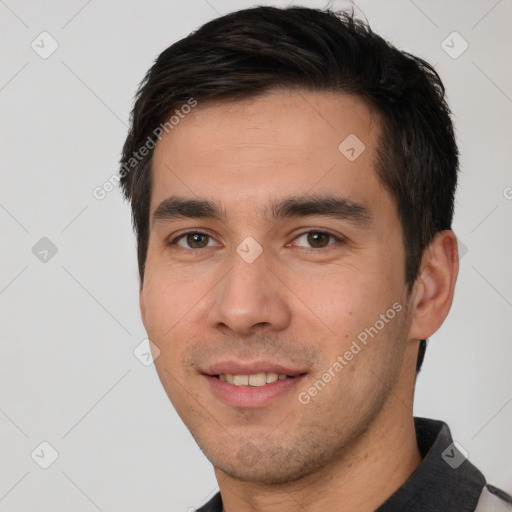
(268,466)
(270,475)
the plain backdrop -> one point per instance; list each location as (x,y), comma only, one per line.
(68,277)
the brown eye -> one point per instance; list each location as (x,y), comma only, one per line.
(193,240)
(197,240)
(318,239)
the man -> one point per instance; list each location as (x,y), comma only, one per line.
(292,197)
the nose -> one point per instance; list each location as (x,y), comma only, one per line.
(250,298)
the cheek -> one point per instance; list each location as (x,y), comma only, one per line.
(164,322)
(337,293)
(156,305)
(165,303)
(174,315)
(348,303)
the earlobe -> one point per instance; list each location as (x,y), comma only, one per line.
(435,285)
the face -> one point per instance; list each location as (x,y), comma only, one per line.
(273,252)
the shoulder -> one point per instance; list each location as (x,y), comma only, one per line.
(494,500)
(214,505)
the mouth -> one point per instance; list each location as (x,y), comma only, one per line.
(254,380)
(250,386)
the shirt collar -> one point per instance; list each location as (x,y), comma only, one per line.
(445,479)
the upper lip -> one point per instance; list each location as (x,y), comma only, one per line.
(246,368)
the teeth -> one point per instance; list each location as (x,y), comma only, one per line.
(272,377)
(259,379)
(256,380)
(241,380)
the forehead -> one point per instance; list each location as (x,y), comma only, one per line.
(287,143)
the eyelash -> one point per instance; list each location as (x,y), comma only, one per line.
(335,237)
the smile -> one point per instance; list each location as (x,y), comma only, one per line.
(256,379)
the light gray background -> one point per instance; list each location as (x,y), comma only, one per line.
(69,325)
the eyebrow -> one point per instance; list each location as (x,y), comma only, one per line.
(336,207)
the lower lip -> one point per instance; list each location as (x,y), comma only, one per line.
(252,396)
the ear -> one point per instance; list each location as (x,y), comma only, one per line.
(434,288)
(142,305)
